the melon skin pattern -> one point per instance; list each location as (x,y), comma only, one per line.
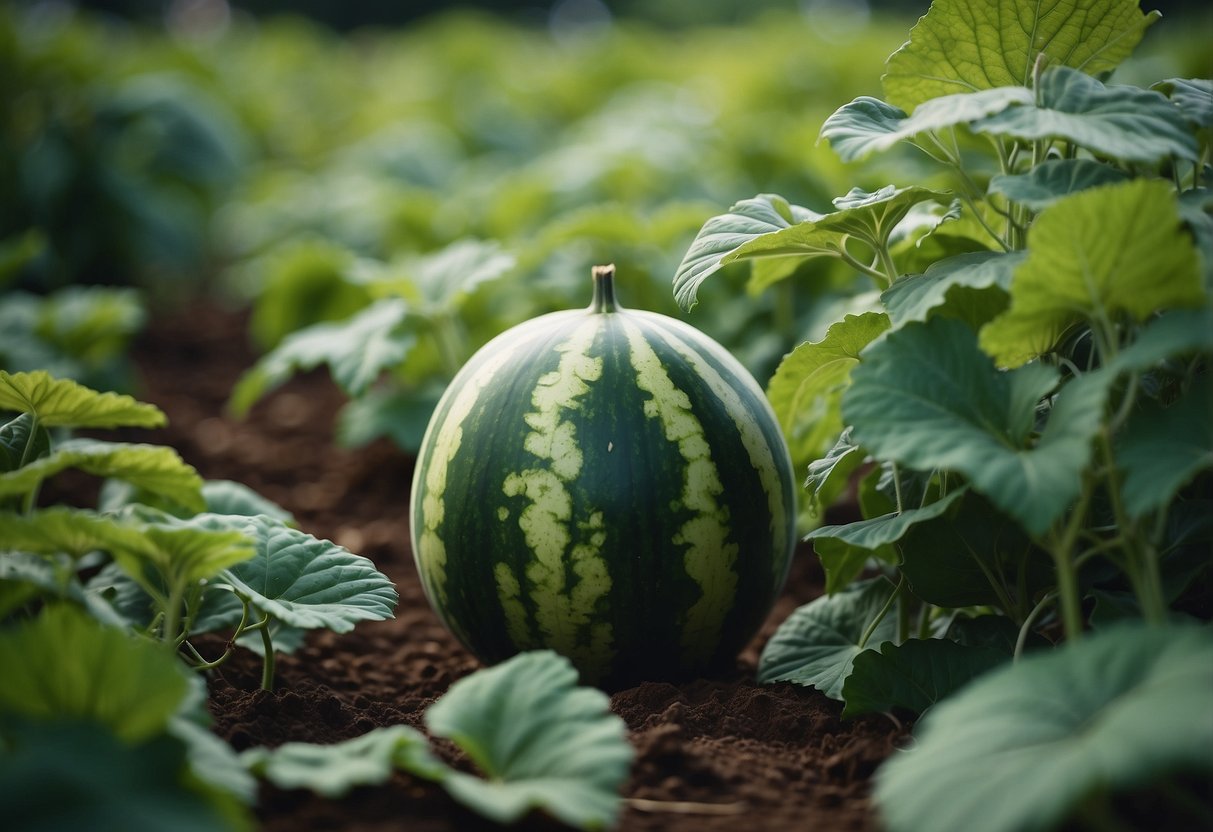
(607,483)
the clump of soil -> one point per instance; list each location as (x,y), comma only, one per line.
(711,753)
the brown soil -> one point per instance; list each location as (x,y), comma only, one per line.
(708,752)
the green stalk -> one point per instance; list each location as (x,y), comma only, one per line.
(880,277)
(267,667)
(31,499)
(888,605)
(1067,571)
(172,614)
(1141,562)
(1026,627)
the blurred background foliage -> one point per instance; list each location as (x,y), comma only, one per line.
(308,159)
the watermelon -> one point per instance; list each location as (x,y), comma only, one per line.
(607,483)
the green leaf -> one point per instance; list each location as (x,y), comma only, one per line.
(211,759)
(1124,122)
(828,475)
(845,549)
(441,281)
(1117,249)
(183,555)
(1050,181)
(22,441)
(1024,746)
(65,665)
(965,45)
(234,498)
(305,582)
(64,403)
(356,351)
(333,770)
(817,644)
(154,468)
(67,531)
(76,776)
(542,742)
(1193,96)
(913,675)
(869,125)
(1162,449)
(92,324)
(926,397)
(808,383)
(917,296)
(400,415)
(721,236)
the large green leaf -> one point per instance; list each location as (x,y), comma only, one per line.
(91,323)
(868,125)
(60,402)
(356,350)
(68,531)
(916,297)
(914,675)
(1162,449)
(808,383)
(154,468)
(333,770)
(60,776)
(1124,122)
(543,742)
(721,236)
(1095,255)
(1024,746)
(65,665)
(305,582)
(967,45)
(439,282)
(926,397)
(1193,96)
(817,644)
(1050,181)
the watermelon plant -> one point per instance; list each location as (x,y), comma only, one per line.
(607,483)
(1019,409)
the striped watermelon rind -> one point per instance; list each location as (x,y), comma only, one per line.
(607,483)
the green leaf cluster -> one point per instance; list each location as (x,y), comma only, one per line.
(1021,418)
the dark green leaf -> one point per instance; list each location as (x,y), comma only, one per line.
(916,297)
(22,441)
(1050,181)
(1124,122)
(828,475)
(234,498)
(543,742)
(964,45)
(913,675)
(1024,746)
(400,415)
(1193,96)
(721,236)
(881,531)
(1162,449)
(818,642)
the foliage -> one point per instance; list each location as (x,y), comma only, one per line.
(1023,412)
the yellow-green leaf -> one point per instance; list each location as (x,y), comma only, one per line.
(61,402)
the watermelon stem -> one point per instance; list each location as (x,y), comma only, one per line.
(604,289)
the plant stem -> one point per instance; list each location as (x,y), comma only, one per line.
(897,488)
(888,605)
(886,262)
(1067,571)
(1141,562)
(1026,627)
(172,615)
(877,275)
(267,666)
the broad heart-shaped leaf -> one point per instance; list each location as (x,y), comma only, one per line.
(1025,745)
(967,45)
(543,742)
(917,296)
(868,125)
(1127,123)
(22,441)
(844,549)
(65,665)
(1193,96)
(913,675)
(440,281)
(155,468)
(61,402)
(305,582)
(356,350)
(333,770)
(77,776)
(816,645)
(926,397)
(807,385)
(1117,249)
(721,236)
(1164,448)
(1050,181)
